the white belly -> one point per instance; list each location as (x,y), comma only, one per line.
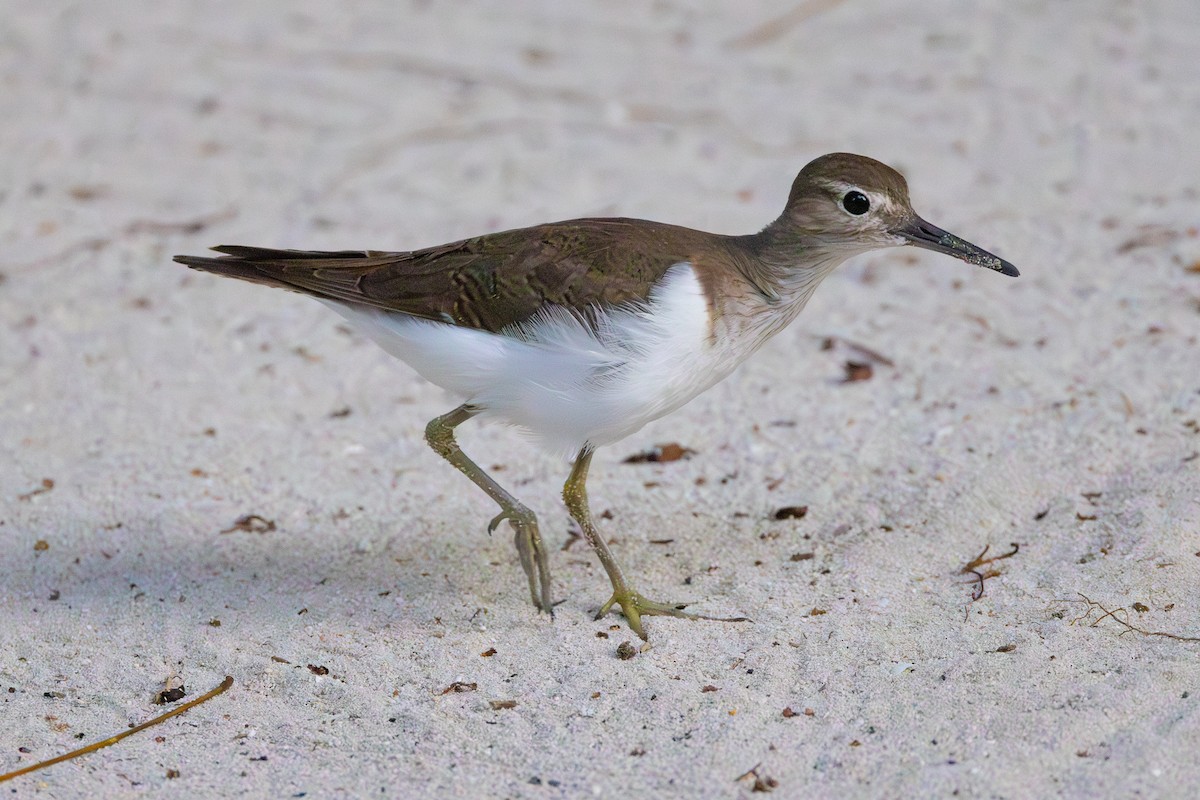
(565,383)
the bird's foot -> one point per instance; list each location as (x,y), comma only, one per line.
(532,552)
(634,606)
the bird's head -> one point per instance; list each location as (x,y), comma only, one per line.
(849,204)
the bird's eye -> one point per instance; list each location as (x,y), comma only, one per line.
(856,203)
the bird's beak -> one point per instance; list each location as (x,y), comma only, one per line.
(922,234)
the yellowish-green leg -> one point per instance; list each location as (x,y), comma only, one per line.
(440,435)
(632,604)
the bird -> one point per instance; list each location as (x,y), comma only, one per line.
(581,332)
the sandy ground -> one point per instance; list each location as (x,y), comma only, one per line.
(145,409)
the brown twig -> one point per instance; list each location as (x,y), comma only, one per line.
(972,567)
(251,523)
(978,561)
(1121,617)
(978,591)
(91,748)
(47,485)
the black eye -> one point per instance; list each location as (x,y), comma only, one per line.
(856,203)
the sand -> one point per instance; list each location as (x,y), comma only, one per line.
(145,409)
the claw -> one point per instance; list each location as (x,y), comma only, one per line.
(532,553)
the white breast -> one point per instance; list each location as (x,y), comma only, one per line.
(563,381)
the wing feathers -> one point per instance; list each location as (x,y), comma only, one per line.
(490,282)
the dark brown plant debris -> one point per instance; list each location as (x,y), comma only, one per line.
(626,650)
(41,545)
(317,669)
(788,713)
(857,371)
(573,535)
(661,454)
(170,695)
(491,651)
(1006,648)
(458,687)
(708,688)
(499,705)
(874,356)
(791,512)
(762,783)
(802,556)
(251,523)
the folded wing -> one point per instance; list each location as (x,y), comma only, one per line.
(488,282)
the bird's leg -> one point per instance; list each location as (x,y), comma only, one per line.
(632,604)
(440,435)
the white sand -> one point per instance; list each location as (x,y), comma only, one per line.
(1058,410)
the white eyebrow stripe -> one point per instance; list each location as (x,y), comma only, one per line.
(878,200)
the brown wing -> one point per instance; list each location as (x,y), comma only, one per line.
(487,282)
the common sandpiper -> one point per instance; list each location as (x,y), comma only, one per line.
(583,331)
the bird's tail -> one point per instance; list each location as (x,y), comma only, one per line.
(328,274)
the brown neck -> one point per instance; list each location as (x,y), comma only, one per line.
(783,262)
